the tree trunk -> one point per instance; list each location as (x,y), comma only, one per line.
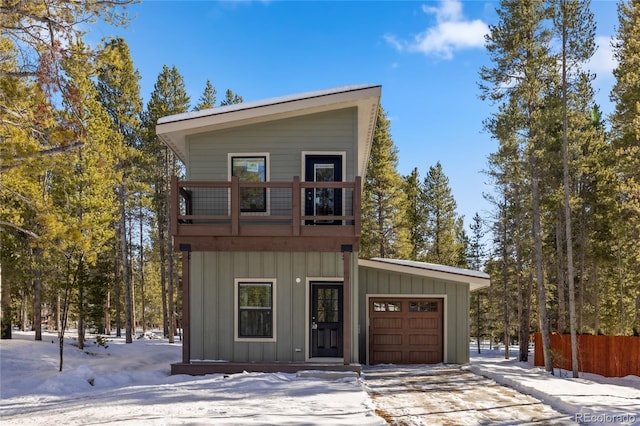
(126,276)
(560,278)
(116,293)
(107,315)
(142,295)
(537,237)
(505,283)
(37,293)
(5,308)
(81,314)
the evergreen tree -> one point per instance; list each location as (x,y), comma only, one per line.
(231,98)
(413,192)
(521,82)
(208,98)
(443,226)
(476,254)
(625,132)
(119,92)
(574,23)
(168,97)
(384,204)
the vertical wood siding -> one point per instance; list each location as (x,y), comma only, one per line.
(212,308)
(284,140)
(456,339)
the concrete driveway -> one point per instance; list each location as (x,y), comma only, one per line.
(450,395)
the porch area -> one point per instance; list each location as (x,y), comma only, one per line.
(202,368)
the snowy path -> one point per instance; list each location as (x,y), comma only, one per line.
(449,395)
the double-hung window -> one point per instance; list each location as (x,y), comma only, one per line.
(255,309)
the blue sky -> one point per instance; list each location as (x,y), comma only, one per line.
(425,54)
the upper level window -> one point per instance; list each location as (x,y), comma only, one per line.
(251,168)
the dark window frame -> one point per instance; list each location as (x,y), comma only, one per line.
(247,195)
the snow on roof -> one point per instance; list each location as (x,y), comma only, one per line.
(261,103)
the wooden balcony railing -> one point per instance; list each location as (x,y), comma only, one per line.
(265,209)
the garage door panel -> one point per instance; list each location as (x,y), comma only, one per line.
(387,357)
(424,357)
(380,339)
(432,340)
(423,323)
(385,323)
(405,331)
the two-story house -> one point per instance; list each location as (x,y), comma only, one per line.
(268,224)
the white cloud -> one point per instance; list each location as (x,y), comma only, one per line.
(452,32)
(602,63)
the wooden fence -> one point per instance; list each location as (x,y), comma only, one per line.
(608,356)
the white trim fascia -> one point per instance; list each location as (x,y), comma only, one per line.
(475,282)
(445,325)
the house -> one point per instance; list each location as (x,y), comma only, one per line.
(268,224)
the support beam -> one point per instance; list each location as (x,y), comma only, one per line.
(346,290)
(186,314)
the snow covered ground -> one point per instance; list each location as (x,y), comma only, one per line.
(130,384)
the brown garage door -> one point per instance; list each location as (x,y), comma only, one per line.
(405,331)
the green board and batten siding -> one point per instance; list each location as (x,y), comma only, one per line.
(373,281)
(284,140)
(212,302)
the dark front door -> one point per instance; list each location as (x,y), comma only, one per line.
(321,202)
(326,320)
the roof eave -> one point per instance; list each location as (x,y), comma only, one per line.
(475,283)
(174,130)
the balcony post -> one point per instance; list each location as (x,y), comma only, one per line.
(235,205)
(175,201)
(346,305)
(357,206)
(295,205)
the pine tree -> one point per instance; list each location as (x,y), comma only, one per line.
(168,97)
(384,204)
(413,190)
(625,132)
(208,98)
(476,254)
(83,193)
(443,226)
(231,98)
(119,92)
(576,28)
(521,81)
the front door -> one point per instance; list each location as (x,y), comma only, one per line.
(323,201)
(326,320)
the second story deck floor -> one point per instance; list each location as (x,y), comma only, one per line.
(272,216)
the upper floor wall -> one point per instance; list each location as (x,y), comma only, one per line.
(339,119)
(283,144)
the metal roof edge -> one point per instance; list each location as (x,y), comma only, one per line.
(263,103)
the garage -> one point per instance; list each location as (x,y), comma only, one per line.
(405,330)
(412,312)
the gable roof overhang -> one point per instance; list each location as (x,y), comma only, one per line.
(174,130)
(475,279)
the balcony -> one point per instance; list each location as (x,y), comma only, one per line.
(265,216)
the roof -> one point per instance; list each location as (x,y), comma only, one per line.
(475,279)
(175,129)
